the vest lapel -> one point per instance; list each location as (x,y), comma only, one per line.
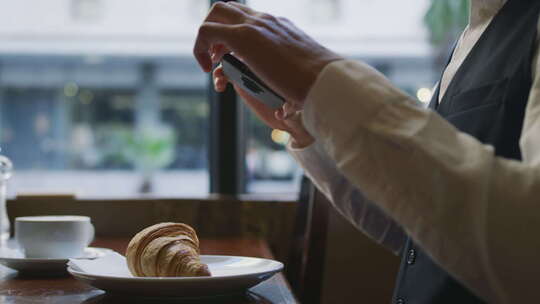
(434,103)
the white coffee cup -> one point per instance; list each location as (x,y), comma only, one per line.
(63,236)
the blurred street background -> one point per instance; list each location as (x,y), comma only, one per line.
(103,98)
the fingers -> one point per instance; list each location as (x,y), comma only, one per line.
(215,37)
(210,34)
(288,110)
(217,52)
(215,33)
(224,12)
(220,80)
(279,114)
(244,8)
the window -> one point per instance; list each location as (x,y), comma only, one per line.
(104,98)
(270,169)
(106,102)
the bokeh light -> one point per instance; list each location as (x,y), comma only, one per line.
(280,137)
(424,95)
(71,89)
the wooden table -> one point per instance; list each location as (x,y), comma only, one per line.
(15,288)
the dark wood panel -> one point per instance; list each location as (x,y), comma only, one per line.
(215,217)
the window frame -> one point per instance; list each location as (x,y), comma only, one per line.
(226,147)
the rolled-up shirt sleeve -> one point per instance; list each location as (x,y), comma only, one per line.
(474,213)
(347,199)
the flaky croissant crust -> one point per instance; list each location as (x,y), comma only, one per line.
(165,250)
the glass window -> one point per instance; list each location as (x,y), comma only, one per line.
(270,169)
(103,98)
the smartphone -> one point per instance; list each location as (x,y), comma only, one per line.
(242,76)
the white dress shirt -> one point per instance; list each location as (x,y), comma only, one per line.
(474,213)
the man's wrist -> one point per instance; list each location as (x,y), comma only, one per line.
(300,142)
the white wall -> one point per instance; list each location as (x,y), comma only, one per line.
(165,27)
(364,28)
(168,27)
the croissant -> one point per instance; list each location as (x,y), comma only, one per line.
(165,250)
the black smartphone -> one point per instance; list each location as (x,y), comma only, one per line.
(242,76)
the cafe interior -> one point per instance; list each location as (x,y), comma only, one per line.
(105,114)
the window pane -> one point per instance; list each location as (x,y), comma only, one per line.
(389,35)
(270,169)
(103,98)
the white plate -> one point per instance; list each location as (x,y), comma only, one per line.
(230,274)
(14,259)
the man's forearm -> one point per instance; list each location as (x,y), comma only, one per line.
(462,204)
(347,199)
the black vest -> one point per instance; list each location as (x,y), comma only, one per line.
(486,99)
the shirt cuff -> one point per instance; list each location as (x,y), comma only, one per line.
(312,159)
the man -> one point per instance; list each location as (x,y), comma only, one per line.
(460,179)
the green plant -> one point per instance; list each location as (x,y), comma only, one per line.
(445,19)
(150,149)
(145,149)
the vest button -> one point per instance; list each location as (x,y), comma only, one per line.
(411,256)
(400,301)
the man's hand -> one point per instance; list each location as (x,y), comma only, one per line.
(276,119)
(279,53)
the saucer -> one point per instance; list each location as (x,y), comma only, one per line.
(14,259)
